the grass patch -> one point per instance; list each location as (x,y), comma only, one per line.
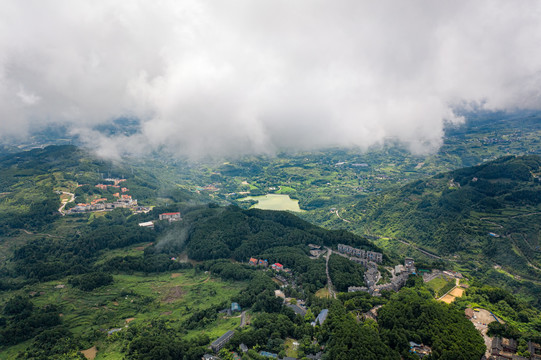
(286,190)
(323,293)
(439,284)
(139,296)
(291,348)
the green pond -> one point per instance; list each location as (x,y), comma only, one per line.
(274,202)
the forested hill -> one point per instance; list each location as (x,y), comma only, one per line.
(28,181)
(490,212)
(32,182)
(223,233)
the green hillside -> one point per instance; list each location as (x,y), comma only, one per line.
(99,282)
(487,215)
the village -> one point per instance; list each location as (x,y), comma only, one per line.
(123,200)
(497,348)
(286,277)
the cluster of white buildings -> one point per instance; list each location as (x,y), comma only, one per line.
(372,276)
(361,256)
(123,202)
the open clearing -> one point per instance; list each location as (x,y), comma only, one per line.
(90,354)
(323,293)
(481,318)
(448,299)
(457,292)
(174,294)
(291,347)
(438,283)
(135,296)
(274,202)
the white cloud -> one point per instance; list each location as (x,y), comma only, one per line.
(28,98)
(208,77)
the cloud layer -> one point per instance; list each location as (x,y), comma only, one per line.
(213,77)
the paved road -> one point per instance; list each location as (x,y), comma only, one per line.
(72,198)
(418,249)
(329,282)
(243,319)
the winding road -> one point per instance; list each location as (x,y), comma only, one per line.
(413,246)
(64,202)
(337,214)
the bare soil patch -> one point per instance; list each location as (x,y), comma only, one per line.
(90,353)
(174,294)
(457,292)
(141,248)
(448,299)
(165,313)
(175,275)
(129,320)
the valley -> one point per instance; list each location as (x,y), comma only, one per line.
(79,265)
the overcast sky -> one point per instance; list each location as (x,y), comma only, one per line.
(244,76)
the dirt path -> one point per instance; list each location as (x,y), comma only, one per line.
(337,214)
(527,214)
(418,249)
(39,234)
(197,283)
(488,220)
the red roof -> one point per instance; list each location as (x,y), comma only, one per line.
(177,213)
(278,265)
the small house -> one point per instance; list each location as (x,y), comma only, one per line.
(252,261)
(321,317)
(263,263)
(235,307)
(297,309)
(172,216)
(277,266)
(419,349)
(147,224)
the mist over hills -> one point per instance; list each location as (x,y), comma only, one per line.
(150,153)
(204,78)
(482,221)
